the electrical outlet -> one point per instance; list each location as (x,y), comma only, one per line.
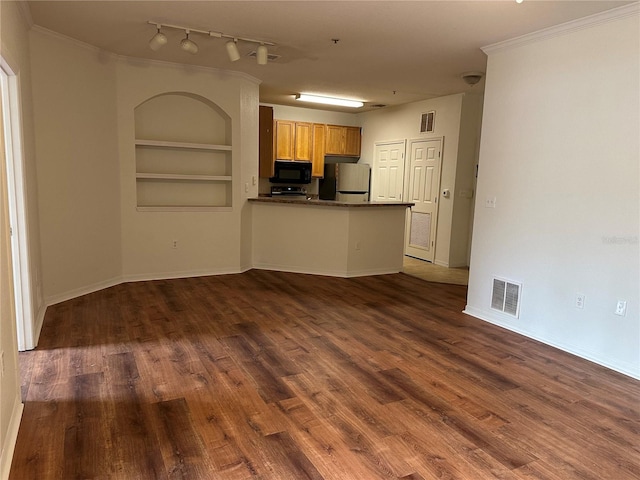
(579,300)
(174,244)
(490,202)
(621,308)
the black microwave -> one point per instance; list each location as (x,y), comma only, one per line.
(291,172)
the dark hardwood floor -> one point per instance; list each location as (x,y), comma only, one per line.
(267,375)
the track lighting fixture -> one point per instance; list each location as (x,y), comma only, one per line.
(232,50)
(158,40)
(188,45)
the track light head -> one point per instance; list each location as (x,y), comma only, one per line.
(158,40)
(232,50)
(262,55)
(189,45)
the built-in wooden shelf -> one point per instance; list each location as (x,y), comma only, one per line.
(195,146)
(184,156)
(171,176)
(182,208)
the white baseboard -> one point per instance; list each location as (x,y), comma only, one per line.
(630,370)
(326,273)
(145,277)
(78,292)
(11,439)
(37,328)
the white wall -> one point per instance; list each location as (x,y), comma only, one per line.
(14,48)
(465,186)
(74,90)
(209,242)
(313,115)
(92,234)
(560,152)
(403,122)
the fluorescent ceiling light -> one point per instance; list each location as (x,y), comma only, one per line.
(303,97)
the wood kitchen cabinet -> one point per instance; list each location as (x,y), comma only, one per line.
(284,139)
(317,155)
(342,141)
(352,142)
(293,140)
(266,140)
(303,142)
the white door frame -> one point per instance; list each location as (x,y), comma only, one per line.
(17,207)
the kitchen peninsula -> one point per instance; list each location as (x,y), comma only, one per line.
(323,237)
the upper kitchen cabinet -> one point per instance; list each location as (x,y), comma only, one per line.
(342,141)
(293,140)
(284,139)
(352,142)
(266,140)
(303,142)
(317,155)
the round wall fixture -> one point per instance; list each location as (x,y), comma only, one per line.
(471,78)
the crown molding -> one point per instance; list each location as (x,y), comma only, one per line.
(566,28)
(144,61)
(137,61)
(74,41)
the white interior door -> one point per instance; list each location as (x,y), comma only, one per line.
(387,182)
(425,162)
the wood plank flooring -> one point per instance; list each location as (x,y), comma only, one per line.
(267,375)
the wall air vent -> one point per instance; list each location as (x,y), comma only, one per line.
(505,297)
(270,56)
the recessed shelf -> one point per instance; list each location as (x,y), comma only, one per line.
(194,146)
(191,174)
(182,208)
(171,176)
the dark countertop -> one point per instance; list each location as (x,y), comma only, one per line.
(295,200)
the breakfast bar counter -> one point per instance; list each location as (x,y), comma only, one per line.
(297,200)
(323,237)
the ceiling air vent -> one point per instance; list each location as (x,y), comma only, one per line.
(270,56)
(505,297)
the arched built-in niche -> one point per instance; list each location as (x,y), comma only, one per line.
(183,154)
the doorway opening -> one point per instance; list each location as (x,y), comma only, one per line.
(11,125)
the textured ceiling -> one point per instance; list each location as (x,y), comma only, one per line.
(389,52)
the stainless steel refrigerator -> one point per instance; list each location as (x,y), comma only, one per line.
(345,182)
